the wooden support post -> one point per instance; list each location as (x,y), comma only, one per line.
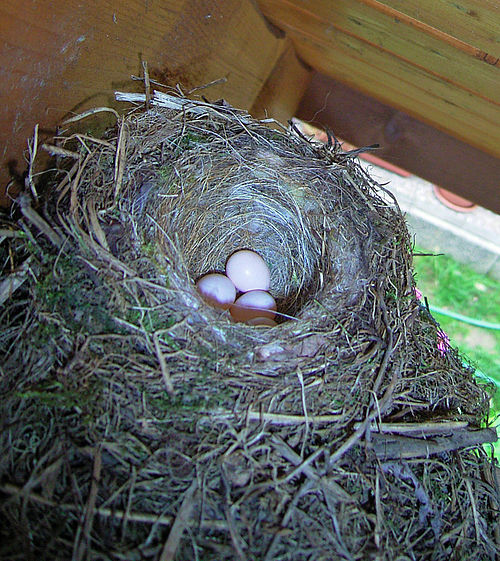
(281,94)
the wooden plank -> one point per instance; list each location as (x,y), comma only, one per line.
(474,22)
(281,94)
(391,79)
(390,31)
(404,141)
(448,112)
(63,57)
(446,108)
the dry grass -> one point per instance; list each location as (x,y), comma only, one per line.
(139,423)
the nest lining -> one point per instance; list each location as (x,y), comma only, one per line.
(283,443)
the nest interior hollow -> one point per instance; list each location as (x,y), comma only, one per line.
(210,195)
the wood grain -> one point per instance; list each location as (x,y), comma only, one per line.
(58,58)
(281,94)
(474,22)
(397,62)
(394,33)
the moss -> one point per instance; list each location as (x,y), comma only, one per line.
(66,290)
(196,395)
(51,393)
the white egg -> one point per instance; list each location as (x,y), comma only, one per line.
(217,290)
(262,321)
(253,304)
(248,271)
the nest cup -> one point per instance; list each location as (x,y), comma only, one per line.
(158,427)
(234,202)
(212,195)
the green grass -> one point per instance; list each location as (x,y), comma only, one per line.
(455,287)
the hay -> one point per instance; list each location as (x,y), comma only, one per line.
(139,423)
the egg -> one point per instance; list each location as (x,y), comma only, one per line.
(248,271)
(262,321)
(217,290)
(253,304)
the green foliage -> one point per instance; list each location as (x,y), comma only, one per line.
(196,395)
(451,285)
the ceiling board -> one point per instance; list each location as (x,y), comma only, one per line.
(474,22)
(408,66)
(454,112)
(392,33)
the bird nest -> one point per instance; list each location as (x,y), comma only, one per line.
(141,423)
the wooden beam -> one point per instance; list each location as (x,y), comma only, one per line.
(400,62)
(474,22)
(281,94)
(404,141)
(58,58)
(392,32)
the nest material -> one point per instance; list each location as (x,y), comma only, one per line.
(141,423)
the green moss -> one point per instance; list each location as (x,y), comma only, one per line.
(192,396)
(165,173)
(148,248)
(190,139)
(52,394)
(151,250)
(391,295)
(66,292)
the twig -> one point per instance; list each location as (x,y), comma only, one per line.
(14,280)
(422,429)
(106,256)
(180,524)
(58,151)
(474,508)
(365,425)
(209,85)
(394,446)
(491,472)
(81,137)
(75,183)
(147,84)
(235,537)
(388,350)
(32,216)
(305,488)
(379,511)
(161,99)
(350,442)
(384,402)
(89,113)
(290,455)
(96,227)
(6,233)
(141,517)
(120,159)
(304,407)
(84,542)
(32,149)
(163,365)
(342,548)
(65,182)
(129,500)
(302,467)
